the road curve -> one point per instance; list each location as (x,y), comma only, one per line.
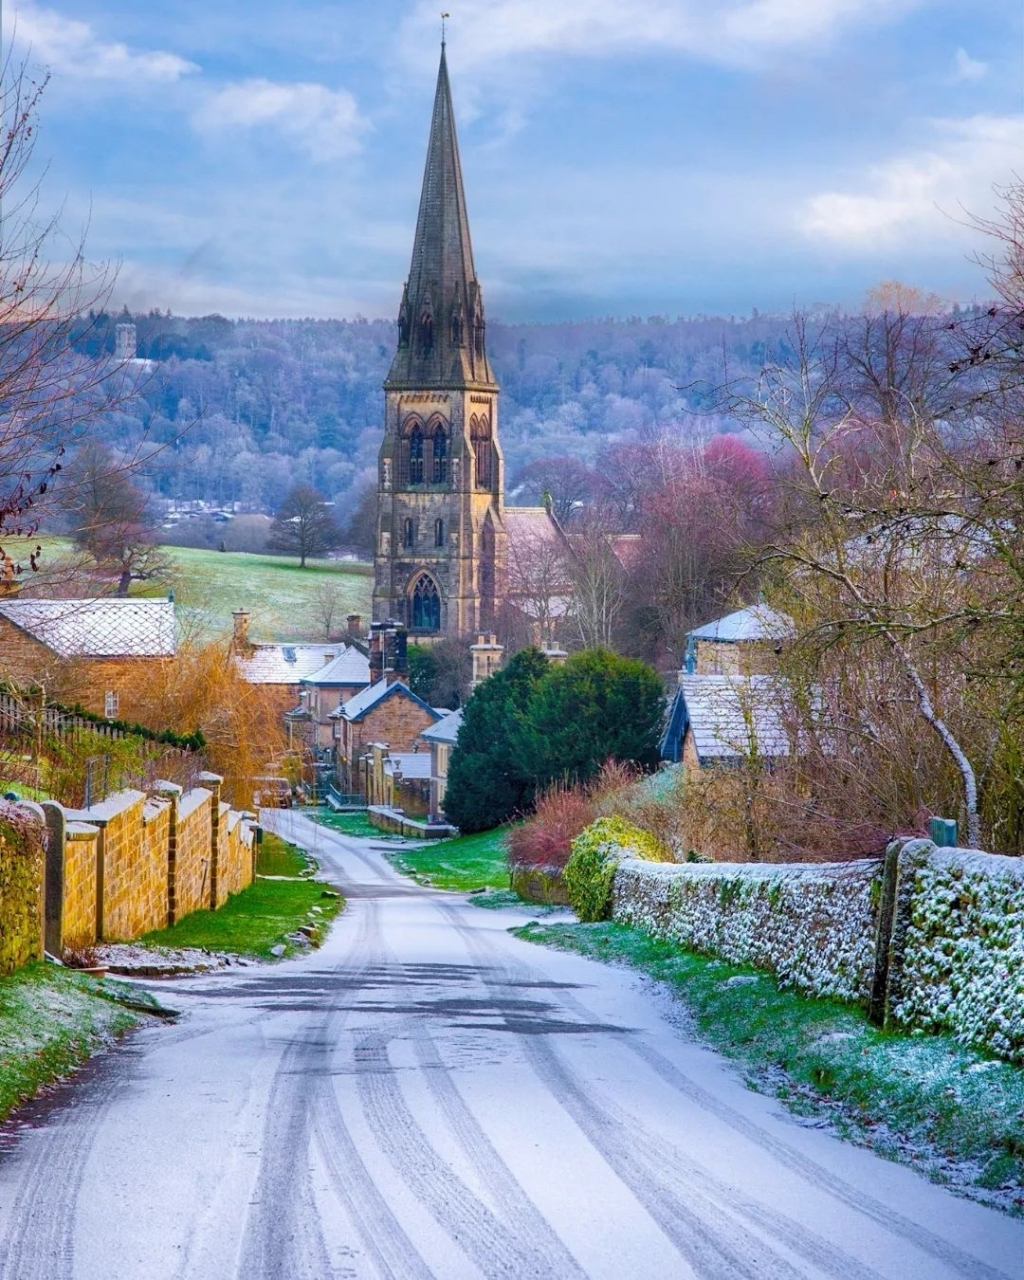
(428,1096)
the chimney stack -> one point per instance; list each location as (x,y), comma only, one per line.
(376,652)
(487,654)
(355,626)
(555,655)
(240,634)
(396,657)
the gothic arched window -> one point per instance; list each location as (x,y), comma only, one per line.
(408,533)
(438,533)
(415,454)
(426,330)
(483,452)
(426,605)
(439,449)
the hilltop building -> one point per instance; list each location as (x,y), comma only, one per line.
(441,564)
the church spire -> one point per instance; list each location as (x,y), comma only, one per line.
(441,321)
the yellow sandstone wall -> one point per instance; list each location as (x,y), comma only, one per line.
(78,927)
(193,869)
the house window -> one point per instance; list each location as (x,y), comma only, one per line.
(111,703)
(416,455)
(426,605)
(408,533)
(440,455)
(438,533)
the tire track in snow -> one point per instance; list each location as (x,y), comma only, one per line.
(525,1219)
(40,1242)
(785,1229)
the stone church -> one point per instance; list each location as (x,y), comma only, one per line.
(443,537)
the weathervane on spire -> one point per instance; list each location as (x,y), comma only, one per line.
(444,17)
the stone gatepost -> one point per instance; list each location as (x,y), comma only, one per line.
(213,782)
(53,895)
(171,792)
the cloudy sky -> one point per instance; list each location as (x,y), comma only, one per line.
(254,157)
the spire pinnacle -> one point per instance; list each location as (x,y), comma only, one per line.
(441,321)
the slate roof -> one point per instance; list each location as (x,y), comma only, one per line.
(725,713)
(446,729)
(349,667)
(285,663)
(756,622)
(410,764)
(107,627)
(532,525)
(366,699)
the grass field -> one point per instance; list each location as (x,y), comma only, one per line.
(252,922)
(279,596)
(952,1112)
(464,863)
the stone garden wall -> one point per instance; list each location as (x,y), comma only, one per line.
(134,863)
(929,938)
(21,888)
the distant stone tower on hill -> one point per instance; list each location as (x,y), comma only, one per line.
(441,536)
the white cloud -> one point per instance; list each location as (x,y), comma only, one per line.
(922,194)
(723,31)
(967,68)
(324,122)
(74,50)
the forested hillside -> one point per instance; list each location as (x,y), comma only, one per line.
(248,408)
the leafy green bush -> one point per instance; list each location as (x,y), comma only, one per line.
(596,853)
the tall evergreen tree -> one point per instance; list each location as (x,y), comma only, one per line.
(486,783)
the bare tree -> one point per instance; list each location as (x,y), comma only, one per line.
(598,567)
(50,393)
(303,525)
(110,518)
(327,609)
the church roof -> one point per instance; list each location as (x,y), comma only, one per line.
(107,627)
(447,351)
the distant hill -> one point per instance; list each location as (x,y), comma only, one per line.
(247,408)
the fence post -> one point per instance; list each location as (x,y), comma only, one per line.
(910,855)
(213,781)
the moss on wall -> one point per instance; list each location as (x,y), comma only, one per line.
(21,890)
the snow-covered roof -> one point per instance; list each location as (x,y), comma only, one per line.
(284,663)
(756,622)
(107,627)
(350,667)
(410,764)
(446,730)
(532,525)
(366,699)
(731,715)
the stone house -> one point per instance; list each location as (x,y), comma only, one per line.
(387,714)
(725,719)
(100,653)
(440,738)
(740,643)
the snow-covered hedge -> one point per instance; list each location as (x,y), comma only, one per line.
(812,925)
(961,966)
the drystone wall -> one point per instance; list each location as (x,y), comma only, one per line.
(929,939)
(812,925)
(21,888)
(956,958)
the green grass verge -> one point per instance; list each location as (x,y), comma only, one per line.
(208,585)
(950,1111)
(51,1020)
(260,917)
(350,824)
(463,863)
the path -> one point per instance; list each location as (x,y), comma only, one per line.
(428,1096)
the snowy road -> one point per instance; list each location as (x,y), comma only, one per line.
(427,1096)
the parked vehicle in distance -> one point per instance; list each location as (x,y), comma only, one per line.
(272,793)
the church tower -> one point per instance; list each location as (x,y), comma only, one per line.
(440,536)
